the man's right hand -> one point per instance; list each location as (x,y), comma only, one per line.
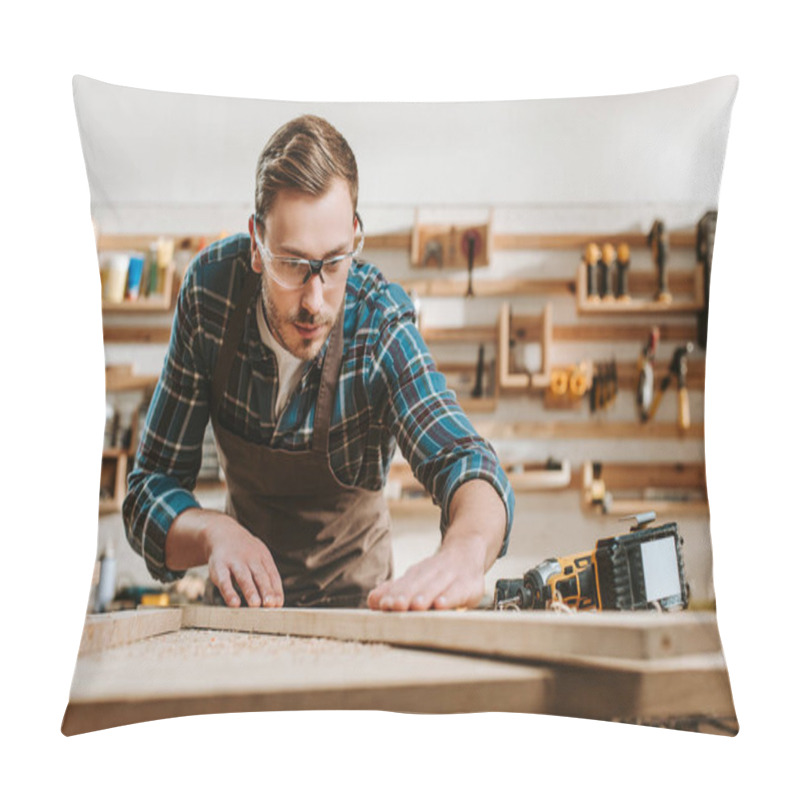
(198,536)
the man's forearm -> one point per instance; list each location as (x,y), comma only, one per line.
(454,576)
(477,521)
(235,558)
(187,538)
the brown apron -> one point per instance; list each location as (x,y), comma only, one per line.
(330,541)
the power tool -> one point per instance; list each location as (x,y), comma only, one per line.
(642,569)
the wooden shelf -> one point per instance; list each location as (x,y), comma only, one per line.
(402,240)
(634,305)
(523,477)
(587,430)
(542,326)
(644,479)
(120,378)
(164,300)
(447,245)
(639,282)
(136,335)
(143,306)
(113,475)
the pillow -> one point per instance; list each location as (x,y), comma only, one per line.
(554,257)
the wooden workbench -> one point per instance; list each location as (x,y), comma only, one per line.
(639,666)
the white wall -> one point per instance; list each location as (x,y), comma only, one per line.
(160,161)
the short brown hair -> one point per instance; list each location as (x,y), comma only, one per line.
(304,154)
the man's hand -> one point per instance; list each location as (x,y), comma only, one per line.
(232,553)
(454,576)
(451,578)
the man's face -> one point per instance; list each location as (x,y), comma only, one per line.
(302,226)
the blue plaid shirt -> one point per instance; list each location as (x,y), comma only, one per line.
(389,394)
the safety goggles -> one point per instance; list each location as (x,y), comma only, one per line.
(294,273)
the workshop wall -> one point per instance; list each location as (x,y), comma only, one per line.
(550,167)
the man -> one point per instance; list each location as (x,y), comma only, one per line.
(310,367)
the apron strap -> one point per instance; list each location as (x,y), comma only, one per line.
(328,384)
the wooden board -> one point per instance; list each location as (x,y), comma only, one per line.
(206,672)
(194,671)
(104,631)
(535,636)
(599,429)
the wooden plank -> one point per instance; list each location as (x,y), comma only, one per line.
(623,332)
(142,241)
(244,669)
(104,631)
(142,305)
(540,636)
(493,429)
(523,327)
(643,475)
(208,671)
(687,686)
(522,477)
(505,378)
(388,241)
(682,282)
(467,333)
(482,287)
(127,383)
(590,332)
(136,335)
(538,241)
(578,241)
(636,306)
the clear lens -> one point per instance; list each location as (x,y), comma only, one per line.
(293,273)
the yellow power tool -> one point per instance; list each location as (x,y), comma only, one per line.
(642,569)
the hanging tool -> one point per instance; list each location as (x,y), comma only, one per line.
(606,267)
(599,496)
(642,569)
(644,387)
(434,253)
(659,245)
(417,303)
(477,390)
(470,244)
(591,257)
(623,264)
(604,385)
(678,368)
(706,232)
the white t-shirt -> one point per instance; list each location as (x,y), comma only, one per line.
(290,368)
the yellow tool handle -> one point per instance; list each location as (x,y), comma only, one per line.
(683,409)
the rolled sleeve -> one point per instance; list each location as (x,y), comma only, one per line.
(477,466)
(431,429)
(151,509)
(170,450)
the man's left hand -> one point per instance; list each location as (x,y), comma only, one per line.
(453,577)
(450,579)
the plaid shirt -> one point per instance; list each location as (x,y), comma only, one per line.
(389,394)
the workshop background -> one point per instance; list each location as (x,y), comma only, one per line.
(546,372)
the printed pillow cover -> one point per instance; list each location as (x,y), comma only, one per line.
(554,257)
